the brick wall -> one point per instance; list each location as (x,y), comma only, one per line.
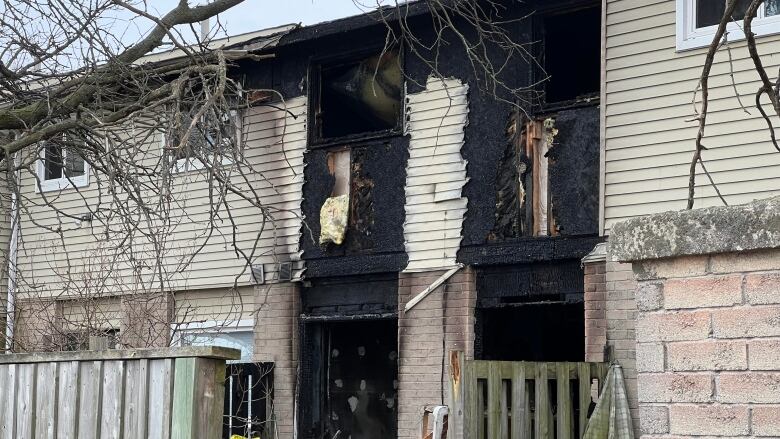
(442,322)
(595,310)
(621,325)
(276,334)
(708,347)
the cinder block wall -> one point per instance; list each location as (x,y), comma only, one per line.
(276,340)
(708,329)
(442,322)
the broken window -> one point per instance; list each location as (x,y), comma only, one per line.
(347,214)
(359,96)
(61,165)
(572,55)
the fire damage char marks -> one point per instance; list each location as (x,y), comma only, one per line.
(361,218)
(513,182)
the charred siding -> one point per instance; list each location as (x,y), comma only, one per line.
(574,172)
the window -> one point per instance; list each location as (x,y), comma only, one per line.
(211,136)
(358,97)
(61,166)
(562,52)
(697,21)
(248,385)
(80,340)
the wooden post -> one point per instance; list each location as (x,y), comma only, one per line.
(456,394)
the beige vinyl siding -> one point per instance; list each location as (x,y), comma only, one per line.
(274,141)
(216,305)
(435,174)
(649,138)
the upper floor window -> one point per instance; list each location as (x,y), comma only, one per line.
(697,21)
(357,97)
(564,84)
(212,136)
(60,166)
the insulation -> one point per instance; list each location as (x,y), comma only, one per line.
(333,220)
(435,174)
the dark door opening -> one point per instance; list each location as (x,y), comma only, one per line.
(350,379)
(531,332)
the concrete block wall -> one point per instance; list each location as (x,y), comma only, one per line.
(708,327)
(442,322)
(276,340)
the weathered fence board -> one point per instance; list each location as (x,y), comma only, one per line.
(527,400)
(144,393)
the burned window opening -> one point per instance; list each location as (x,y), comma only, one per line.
(572,60)
(361,217)
(524,200)
(347,216)
(350,379)
(538,332)
(358,97)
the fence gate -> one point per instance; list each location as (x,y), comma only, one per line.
(528,400)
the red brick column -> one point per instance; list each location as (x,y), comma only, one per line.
(442,322)
(276,340)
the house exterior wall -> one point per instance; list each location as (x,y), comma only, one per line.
(707,329)
(276,340)
(274,140)
(649,140)
(441,323)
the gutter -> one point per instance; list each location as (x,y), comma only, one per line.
(10,315)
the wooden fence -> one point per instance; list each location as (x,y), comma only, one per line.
(526,400)
(144,393)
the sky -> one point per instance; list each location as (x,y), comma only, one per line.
(253,15)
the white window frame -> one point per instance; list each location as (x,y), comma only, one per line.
(214,327)
(181,166)
(689,37)
(61,183)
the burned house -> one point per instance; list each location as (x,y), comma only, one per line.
(417,212)
(416,182)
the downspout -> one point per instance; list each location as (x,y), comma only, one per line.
(10,315)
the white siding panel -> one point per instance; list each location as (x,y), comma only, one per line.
(274,143)
(649,138)
(435,174)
